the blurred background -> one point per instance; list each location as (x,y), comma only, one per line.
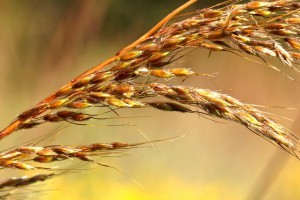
(44,44)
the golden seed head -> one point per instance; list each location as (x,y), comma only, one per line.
(78,104)
(160,73)
(293,20)
(175,40)
(121,65)
(149,47)
(46,152)
(182,71)
(134,103)
(117,102)
(58,103)
(158,56)
(130,55)
(257,4)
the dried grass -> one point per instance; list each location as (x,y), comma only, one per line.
(142,70)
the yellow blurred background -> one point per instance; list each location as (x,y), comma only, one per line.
(44,44)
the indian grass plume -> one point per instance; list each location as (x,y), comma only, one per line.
(226,107)
(259,28)
(34,158)
(25,157)
(138,77)
(17,187)
(17,182)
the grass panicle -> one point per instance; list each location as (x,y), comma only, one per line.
(23,157)
(258,28)
(139,75)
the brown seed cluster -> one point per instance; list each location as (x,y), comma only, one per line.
(227,107)
(17,187)
(24,181)
(259,28)
(25,157)
(139,72)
